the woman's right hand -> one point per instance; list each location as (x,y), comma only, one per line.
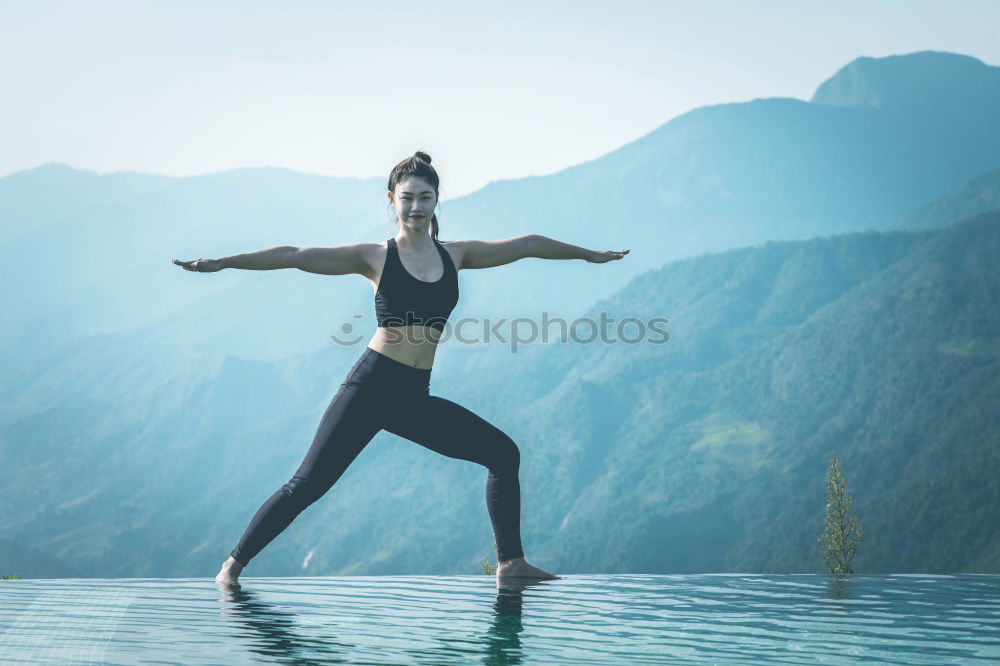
(200,265)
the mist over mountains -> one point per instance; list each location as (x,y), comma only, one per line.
(828,269)
(860,155)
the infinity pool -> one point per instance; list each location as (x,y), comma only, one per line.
(580,619)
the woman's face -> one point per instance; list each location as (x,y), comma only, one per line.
(414,201)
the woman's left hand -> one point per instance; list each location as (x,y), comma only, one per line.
(602,256)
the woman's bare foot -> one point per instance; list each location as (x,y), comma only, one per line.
(519,568)
(230,572)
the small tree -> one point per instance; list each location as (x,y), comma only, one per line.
(843,534)
(488,569)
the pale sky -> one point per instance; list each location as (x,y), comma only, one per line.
(491,90)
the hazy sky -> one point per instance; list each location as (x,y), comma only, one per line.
(491,90)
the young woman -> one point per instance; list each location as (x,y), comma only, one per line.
(415,278)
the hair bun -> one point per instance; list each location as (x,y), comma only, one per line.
(422,155)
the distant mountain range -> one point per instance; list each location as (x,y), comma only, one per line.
(703,454)
(979,195)
(91,253)
(859,315)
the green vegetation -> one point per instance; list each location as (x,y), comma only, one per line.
(986,348)
(843,534)
(489,569)
(735,442)
(778,354)
(12,577)
(885,346)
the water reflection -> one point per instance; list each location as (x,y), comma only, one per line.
(503,641)
(838,586)
(272,629)
(581,619)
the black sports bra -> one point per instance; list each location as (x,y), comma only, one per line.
(402,300)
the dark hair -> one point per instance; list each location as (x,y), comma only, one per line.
(419,165)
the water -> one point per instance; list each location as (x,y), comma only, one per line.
(580,619)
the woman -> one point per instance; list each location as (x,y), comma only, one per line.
(415,278)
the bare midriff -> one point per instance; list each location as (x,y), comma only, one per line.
(413,345)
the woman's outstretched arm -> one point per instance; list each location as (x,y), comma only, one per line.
(486,254)
(261,260)
(544,247)
(337,260)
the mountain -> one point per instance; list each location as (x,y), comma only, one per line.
(741,174)
(881,347)
(104,265)
(882,137)
(977,195)
(926,81)
(32,563)
(704,454)
(56,193)
(147,411)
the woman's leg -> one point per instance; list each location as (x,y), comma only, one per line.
(452,430)
(350,422)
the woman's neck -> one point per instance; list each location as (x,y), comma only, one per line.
(415,241)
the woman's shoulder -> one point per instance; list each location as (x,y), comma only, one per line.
(454,250)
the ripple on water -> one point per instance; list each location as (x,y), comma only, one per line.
(579,619)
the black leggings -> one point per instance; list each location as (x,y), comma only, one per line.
(382,393)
